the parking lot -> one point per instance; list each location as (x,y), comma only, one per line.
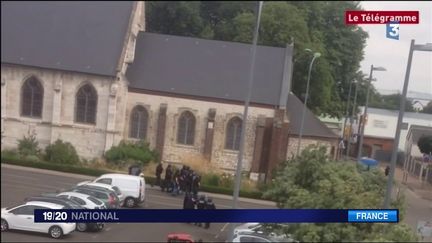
(18,183)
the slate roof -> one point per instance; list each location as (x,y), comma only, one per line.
(72,36)
(313,127)
(216,69)
(209,68)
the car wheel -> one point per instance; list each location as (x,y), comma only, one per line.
(55,232)
(4,225)
(81,227)
(100,226)
(130,202)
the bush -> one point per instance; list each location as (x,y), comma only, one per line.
(29,145)
(61,152)
(127,152)
(10,153)
(210,179)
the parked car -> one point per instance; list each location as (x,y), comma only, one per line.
(111,188)
(260,229)
(180,238)
(86,201)
(69,204)
(257,237)
(109,198)
(21,217)
(133,187)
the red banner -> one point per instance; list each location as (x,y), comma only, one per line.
(381,17)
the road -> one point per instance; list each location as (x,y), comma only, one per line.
(418,209)
(18,183)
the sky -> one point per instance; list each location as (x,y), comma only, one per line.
(393,54)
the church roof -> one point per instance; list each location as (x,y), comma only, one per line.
(206,68)
(313,127)
(196,67)
(84,37)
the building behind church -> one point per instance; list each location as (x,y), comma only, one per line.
(88,73)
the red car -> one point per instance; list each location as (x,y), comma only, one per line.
(180,238)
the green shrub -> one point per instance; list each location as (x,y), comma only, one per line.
(32,158)
(28,145)
(10,153)
(210,179)
(226,180)
(127,152)
(61,152)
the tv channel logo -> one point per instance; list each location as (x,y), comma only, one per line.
(392,30)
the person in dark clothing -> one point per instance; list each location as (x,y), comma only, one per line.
(188,180)
(182,178)
(209,206)
(168,178)
(201,203)
(387,170)
(159,171)
(188,202)
(175,183)
(196,181)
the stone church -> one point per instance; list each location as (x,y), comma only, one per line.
(88,73)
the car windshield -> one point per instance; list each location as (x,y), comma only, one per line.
(9,208)
(94,200)
(117,190)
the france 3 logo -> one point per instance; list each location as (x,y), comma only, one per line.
(392,30)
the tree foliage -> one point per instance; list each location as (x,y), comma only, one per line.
(425,144)
(319,26)
(428,108)
(61,152)
(390,102)
(28,145)
(313,180)
(131,152)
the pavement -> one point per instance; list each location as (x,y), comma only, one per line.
(418,198)
(18,183)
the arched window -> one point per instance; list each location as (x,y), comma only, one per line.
(86,104)
(138,122)
(233,132)
(186,128)
(32,98)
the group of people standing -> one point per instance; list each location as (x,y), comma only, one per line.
(192,201)
(185,181)
(178,181)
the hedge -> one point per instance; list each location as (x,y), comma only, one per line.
(98,172)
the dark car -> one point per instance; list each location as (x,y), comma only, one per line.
(68,204)
(108,197)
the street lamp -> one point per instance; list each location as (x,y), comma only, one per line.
(347,110)
(351,118)
(360,147)
(245,114)
(413,47)
(315,56)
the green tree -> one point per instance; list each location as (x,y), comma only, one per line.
(313,180)
(61,152)
(425,144)
(131,152)
(428,108)
(174,18)
(316,25)
(28,145)
(390,102)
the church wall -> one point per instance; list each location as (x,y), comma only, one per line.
(82,136)
(176,153)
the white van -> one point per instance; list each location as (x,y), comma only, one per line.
(132,187)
